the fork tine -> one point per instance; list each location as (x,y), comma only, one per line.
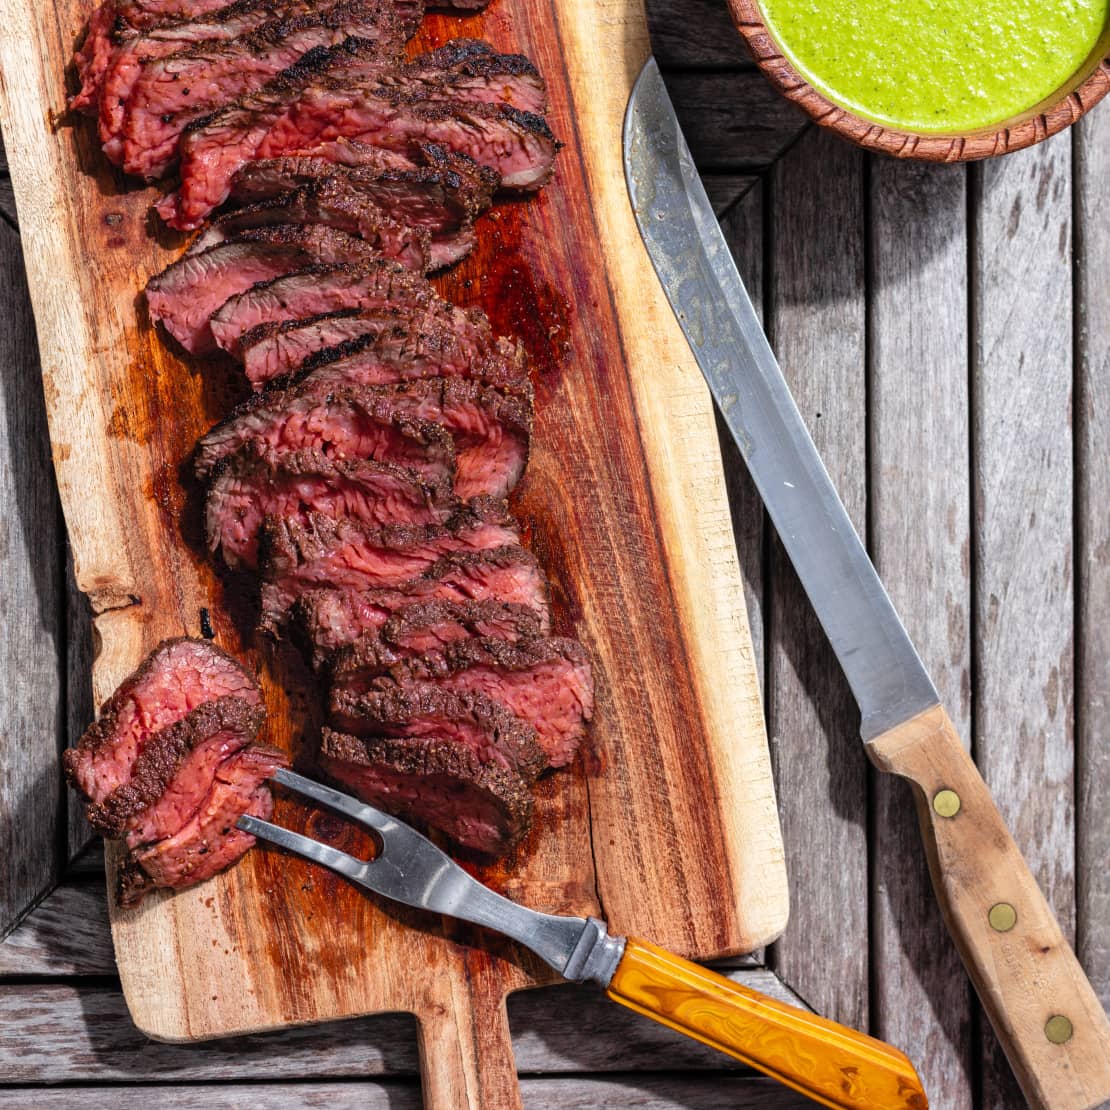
(335,800)
(347,866)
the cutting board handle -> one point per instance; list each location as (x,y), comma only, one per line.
(1042,1007)
(466,1052)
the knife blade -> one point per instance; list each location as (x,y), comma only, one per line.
(1044,1009)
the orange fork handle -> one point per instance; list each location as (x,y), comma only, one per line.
(832,1064)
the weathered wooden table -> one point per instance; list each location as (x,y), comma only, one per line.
(947,334)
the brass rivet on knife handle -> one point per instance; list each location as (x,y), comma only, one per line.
(1002,916)
(946,803)
(1058,1029)
(1027,976)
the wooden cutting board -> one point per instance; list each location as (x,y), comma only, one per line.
(666,826)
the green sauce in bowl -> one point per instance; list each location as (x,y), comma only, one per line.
(937,65)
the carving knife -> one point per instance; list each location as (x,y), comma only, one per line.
(1047,1016)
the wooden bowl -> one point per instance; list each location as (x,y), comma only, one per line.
(1060,110)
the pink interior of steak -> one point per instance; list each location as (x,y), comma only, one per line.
(482,807)
(470,721)
(209,841)
(341,424)
(178,676)
(431,625)
(550,689)
(254,484)
(311,292)
(174,771)
(329,619)
(362,559)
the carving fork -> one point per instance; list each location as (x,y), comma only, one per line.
(832,1064)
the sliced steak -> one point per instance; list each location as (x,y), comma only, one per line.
(327,203)
(467,71)
(340,423)
(545,681)
(472,721)
(139,49)
(437,783)
(442,195)
(431,625)
(458,336)
(255,482)
(506,576)
(93,56)
(214,148)
(185,295)
(402,354)
(173,91)
(177,677)
(518,146)
(317,289)
(491,429)
(175,771)
(324,552)
(209,842)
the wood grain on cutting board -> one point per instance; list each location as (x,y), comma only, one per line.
(667,825)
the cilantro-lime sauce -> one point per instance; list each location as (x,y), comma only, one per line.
(937,65)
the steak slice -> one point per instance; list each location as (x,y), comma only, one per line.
(322,551)
(444,194)
(316,289)
(327,203)
(545,681)
(472,721)
(506,576)
(491,429)
(175,771)
(138,49)
(402,354)
(458,336)
(431,625)
(209,842)
(339,423)
(185,295)
(518,146)
(466,71)
(177,677)
(173,91)
(255,483)
(214,148)
(437,783)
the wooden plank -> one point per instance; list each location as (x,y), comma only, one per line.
(66,934)
(68,1033)
(79,699)
(673,1092)
(1022,497)
(30,609)
(816,316)
(920,519)
(1092,430)
(734,120)
(726,189)
(695,34)
(7,197)
(743,228)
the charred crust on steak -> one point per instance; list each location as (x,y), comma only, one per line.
(163,754)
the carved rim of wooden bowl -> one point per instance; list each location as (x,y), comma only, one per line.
(1057,112)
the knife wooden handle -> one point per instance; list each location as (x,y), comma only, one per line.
(1042,1006)
(830,1063)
